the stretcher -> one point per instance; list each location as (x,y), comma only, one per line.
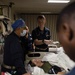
(52,48)
(57,57)
(40,55)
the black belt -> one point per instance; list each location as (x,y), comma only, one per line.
(8,67)
(41,48)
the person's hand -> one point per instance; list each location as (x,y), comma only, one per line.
(51,41)
(27,74)
(48,42)
(27,30)
(26,36)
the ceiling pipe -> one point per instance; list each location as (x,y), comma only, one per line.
(4,5)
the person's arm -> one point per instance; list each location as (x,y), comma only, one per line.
(44,41)
(17,57)
(35,39)
(38,42)
(48,40)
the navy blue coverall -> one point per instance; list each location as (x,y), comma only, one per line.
(13,55)
(41,35)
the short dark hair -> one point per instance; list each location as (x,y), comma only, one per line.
(31,63)
(41,17)
(64,15)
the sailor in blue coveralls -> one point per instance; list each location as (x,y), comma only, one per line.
(13,60)
(41,35)
(26,41)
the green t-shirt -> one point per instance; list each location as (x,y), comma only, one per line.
(46,66)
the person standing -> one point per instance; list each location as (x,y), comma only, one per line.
(41,35)
(13,60)
(26,41)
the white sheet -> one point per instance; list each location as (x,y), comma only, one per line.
(60,59)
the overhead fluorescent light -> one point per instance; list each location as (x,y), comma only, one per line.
(46,12)
(58,1)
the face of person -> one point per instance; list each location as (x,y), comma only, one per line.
(67,37)
(22,31)
(41,22)
(37,62)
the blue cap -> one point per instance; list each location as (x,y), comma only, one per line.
(18,23)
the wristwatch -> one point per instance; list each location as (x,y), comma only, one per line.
(43,40)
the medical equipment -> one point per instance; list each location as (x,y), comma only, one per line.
(52,48)
(35,55)
(40,55)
